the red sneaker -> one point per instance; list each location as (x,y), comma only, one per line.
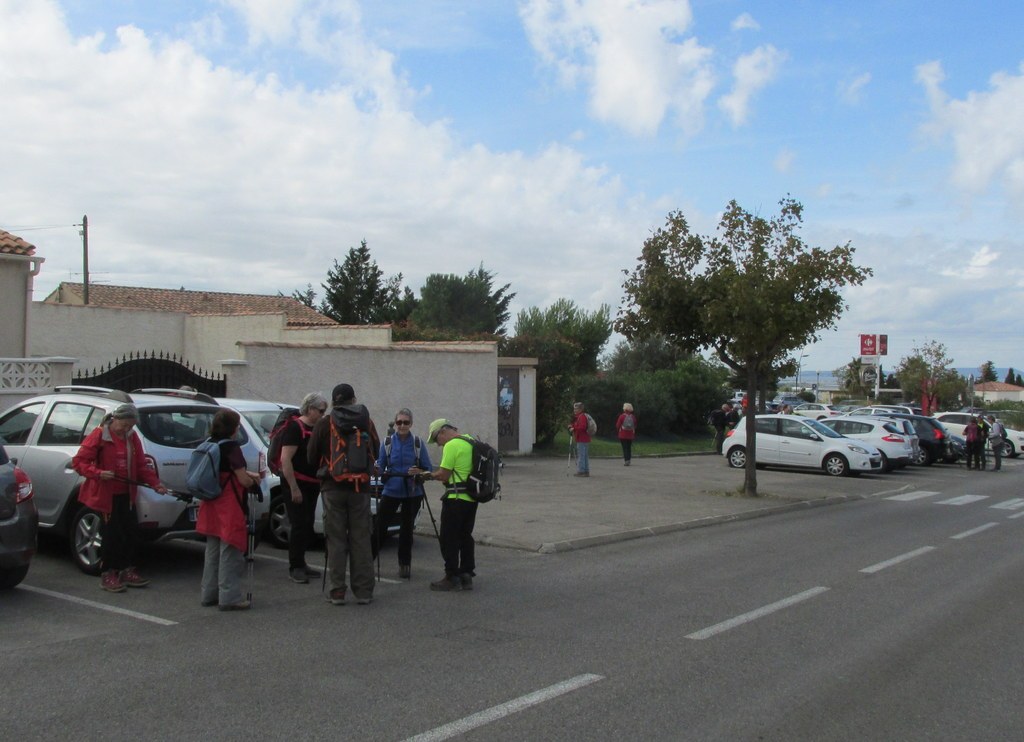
(111,582)
(131,578)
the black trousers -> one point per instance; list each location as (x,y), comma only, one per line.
(301,516)
(457,545)
(119,535)
(627,448)
(410,506)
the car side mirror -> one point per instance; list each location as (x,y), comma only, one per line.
(815,437)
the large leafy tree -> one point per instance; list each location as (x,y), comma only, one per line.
(928,374)
(566,340)
(653,353)
(463,305)
(357,293)
(754,293)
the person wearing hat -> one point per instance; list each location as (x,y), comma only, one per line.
(113,463)
(458,509)
(347,519)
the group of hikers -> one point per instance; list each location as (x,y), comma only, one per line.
(977,432)
(582,429)
(330,450)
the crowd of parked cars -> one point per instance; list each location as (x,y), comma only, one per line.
(847,441)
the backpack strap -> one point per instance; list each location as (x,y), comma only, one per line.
(416,443)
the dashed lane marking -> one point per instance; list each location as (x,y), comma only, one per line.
(973,531)
(896,560)
(732,623)
(100,606)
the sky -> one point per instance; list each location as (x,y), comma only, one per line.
(244,145)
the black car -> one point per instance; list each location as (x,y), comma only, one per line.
(936,443)
(18,523)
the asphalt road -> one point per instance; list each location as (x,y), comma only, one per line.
(891,617)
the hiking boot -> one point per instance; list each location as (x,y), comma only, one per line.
(466,581)
(337,596)
(131,578)
(446,584)
(298,574)
(111,582)
(404,571)
(242,606)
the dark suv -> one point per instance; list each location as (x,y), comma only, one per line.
(936,444)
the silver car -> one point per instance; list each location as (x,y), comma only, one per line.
(43,433)
(18,523)
(886,435)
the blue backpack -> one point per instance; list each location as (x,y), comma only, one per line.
(203,475)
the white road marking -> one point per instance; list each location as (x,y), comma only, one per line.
(962,500)
(1015,515)
(732,623)
(500,711)
(896,560)
(1015,504)
(973,531)
(100,606)
(908,496)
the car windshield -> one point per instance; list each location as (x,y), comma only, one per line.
(176,428)
(823,430)
(262,422)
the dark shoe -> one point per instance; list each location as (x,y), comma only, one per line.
(626,464)
(582,474)
(364,601)
(243,606)
(298,574)
(111,582)
(131,578)
(311,571)
(404,571)
(207,603)
(446,584)
(466,581)
(337,596)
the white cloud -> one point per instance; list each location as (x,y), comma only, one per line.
(784,160)
(851,92)
(199,175)
(745,21)
(974,268)
(986,128)
(751,72)
(631,56)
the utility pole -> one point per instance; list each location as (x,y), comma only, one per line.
(85,259)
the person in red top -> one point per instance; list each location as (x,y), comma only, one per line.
(626,428)
(113,463)
(223,520)
(578,430)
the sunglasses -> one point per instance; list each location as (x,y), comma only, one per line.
(403,422)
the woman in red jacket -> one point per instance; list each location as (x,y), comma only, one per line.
(223,520)
(626,428)
(112,461)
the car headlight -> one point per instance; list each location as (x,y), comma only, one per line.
(858,449)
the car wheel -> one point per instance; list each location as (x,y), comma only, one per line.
(922,457)
(1009,451)
(836,465)
(85,540)
(279,527)
(11,577)
(737,457)
(886,464)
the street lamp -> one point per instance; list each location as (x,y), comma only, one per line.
(799,361)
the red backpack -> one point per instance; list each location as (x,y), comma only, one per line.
(274,452)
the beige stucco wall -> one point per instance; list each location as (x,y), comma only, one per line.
(457,383)
(15,285)
(97,336)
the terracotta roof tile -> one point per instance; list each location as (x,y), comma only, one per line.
(997,386)
(191,302)
(14,245)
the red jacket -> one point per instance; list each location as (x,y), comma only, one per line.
(626,435)
(100,451)
(579,428)
(224,517)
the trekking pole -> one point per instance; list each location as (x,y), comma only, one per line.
(430,512)
(380,526)
(251,556)
(183,496)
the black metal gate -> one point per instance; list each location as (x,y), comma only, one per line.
(142,370)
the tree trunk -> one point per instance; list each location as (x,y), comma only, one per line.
(750,420)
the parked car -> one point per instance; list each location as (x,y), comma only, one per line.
(19,521)
(44,433)
(816,410)
(884,409)
(790,440)
(934,444)
(955,422)
(884,434)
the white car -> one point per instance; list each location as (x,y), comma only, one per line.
(790,440)
(816,410)
(955,422)
(886,435)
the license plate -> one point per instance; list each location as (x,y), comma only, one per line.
(193,513)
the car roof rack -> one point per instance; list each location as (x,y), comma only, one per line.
(99,391)
(181,393)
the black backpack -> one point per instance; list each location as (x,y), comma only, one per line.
(274,452)
(482,484)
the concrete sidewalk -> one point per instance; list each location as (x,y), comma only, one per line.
(544,508)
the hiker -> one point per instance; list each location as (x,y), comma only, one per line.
(719,420)
(625,426)
(113,463)
(346,494)
(974,444)
(300,485)
(996,434)
(223,520)
(579,430)
(400,451)
(458,510)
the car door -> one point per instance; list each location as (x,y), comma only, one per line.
(48,461)
(798,444)
(767,440)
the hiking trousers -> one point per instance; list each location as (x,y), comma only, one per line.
(347,528)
